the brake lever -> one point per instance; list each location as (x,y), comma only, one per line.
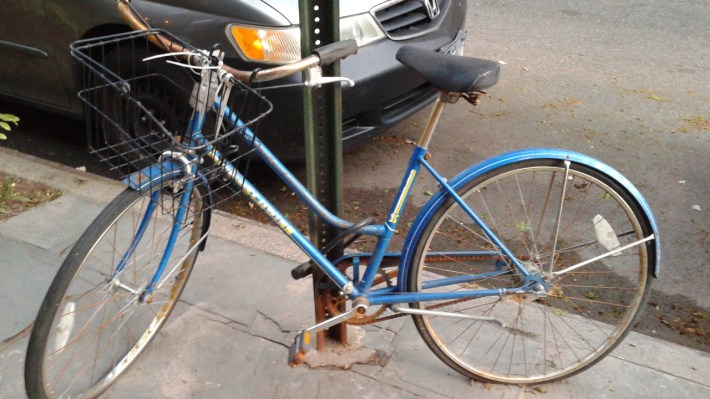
(315,78)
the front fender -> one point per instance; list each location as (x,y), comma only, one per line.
(161,174)
(506,159)
(155,175)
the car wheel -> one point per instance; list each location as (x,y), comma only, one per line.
(163,92)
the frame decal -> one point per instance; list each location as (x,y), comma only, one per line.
(402,197)
(270,211)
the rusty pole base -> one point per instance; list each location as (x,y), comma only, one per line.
(337,333)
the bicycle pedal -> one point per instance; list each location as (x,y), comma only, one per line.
(297,351)
(303,270)
(302,342)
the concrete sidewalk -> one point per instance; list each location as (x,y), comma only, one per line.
(228,340)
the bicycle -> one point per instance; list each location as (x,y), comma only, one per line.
(525,268)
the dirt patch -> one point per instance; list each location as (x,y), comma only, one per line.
(677,319)
(694,123)
(18,195)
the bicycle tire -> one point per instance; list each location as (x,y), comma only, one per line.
(90,329)
(585,312)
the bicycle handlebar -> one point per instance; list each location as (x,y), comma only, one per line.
(321,56)
(330,53)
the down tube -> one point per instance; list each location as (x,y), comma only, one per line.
(285,225)
(291,181)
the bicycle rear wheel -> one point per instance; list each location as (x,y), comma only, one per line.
(582,314)
(92,324)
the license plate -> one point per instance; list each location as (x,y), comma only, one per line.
(456,46)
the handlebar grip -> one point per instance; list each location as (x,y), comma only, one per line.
(330,53)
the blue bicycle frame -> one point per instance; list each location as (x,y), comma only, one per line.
(361,287)
(384,231)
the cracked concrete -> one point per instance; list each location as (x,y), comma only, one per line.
(337,356)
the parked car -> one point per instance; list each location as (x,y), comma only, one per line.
(36,65)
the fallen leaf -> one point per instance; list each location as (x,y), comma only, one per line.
(539,390)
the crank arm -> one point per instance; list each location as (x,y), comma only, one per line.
(302,342)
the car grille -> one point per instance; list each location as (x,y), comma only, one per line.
(406,19)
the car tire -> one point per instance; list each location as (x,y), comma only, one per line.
(162,89)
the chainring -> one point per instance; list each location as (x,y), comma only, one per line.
(334,303)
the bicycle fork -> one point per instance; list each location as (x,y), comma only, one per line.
(144,293)
(178,170)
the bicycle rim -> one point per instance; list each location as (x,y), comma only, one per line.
(92,326)
(583,313)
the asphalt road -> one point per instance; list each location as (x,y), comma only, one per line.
(627,83)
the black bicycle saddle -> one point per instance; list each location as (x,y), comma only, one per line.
(448,72)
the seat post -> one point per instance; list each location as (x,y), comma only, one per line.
(428,131)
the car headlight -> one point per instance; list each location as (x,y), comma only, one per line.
(361,28)
(279,46)
(271,46)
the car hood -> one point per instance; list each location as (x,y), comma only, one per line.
(289,8)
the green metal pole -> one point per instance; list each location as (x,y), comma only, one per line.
(319,20)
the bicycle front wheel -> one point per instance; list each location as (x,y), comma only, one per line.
(93,323)
(550,219)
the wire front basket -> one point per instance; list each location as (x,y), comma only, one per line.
(139,110)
